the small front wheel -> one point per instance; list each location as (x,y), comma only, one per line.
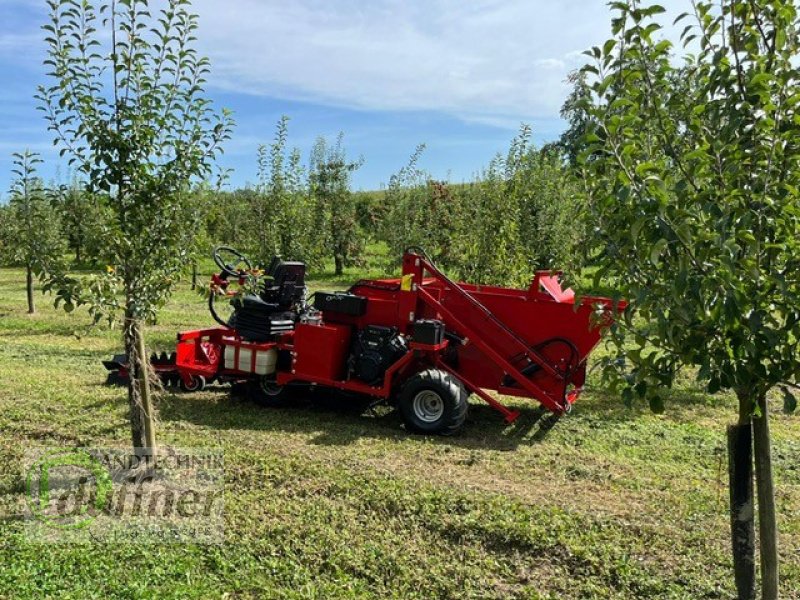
(196,383)
(434,402)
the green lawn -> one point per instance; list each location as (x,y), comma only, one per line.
(327,502)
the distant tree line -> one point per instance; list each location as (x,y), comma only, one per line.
(522,212)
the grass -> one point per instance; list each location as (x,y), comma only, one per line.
(327,500)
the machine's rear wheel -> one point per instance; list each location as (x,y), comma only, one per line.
(434,402)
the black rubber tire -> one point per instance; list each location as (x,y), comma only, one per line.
(451,393)
(264,392)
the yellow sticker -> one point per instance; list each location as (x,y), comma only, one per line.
(406,282)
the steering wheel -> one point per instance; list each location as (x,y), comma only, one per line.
(222,257)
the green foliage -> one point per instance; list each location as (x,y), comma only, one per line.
(335,218)
(84,218)
(420,212)
(5,228)
(126,106)
(553,226)
(229,221)
(280,212)
(30,228)
(695,194)
(269,213)
(575,111)
(297,211)
(487,241)
(523,212)
(204,210)
(371,211)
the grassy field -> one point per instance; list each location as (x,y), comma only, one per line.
(327,502)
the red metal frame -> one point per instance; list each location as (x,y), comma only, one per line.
(502,334)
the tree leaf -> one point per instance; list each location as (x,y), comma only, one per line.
(657,249)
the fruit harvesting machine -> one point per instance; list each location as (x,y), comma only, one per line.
(421,342)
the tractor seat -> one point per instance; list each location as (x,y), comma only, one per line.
(258,321)
(257,305)
(288,283)
(273,264)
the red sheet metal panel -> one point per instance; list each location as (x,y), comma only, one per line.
(321,350)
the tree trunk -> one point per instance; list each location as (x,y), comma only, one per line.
(134,399)
(338,264)
(29,287)
(740,472)
(139,391)
(194,275)
(767,522)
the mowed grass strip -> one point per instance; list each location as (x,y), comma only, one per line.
(329,500)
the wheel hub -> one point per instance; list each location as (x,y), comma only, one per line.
(428,406)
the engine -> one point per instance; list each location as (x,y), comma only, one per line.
(375,349)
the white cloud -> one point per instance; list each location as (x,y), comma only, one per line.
(497,61)
(551,63)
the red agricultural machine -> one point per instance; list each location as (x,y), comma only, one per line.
(422,342)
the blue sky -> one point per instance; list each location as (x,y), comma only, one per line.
(457,75)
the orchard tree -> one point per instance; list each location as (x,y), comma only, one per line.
(487,244)
(269,209)
(549,204)
(201,201)
(31,231)
(523,212)
(694,179)
(419,212)
(126,105)
(83,219)
(300,241)
(281,215)
(572,142)
(5,226)
(207,208)
(336,215)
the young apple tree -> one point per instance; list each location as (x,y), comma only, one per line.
(337,219)
(82,219)
(126,104)
(31,232)
(280,214)
(694,180)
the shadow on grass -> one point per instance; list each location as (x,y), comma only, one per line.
(341,419)
(331,419)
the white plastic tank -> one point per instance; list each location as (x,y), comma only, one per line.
(266,360)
